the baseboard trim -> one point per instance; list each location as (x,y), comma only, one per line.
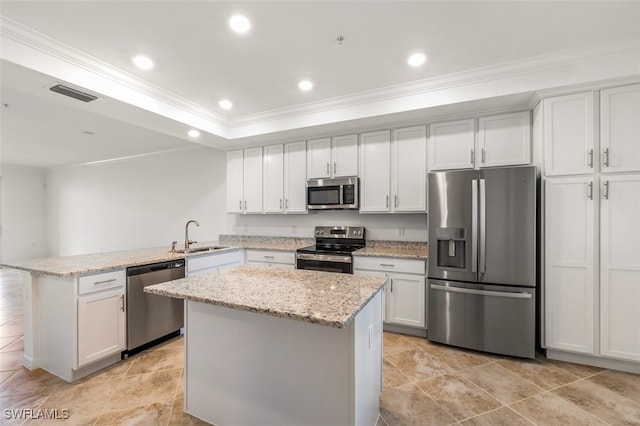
(612,364)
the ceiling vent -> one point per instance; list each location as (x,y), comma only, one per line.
(73,93)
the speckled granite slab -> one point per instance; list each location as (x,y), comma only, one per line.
(318,297)
(265,243)
(99,262)
(401,249)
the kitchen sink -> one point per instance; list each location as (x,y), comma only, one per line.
(200,249)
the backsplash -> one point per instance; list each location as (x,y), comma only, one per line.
(394,227)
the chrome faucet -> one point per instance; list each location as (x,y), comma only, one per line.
(187,241)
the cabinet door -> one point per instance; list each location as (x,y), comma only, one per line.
(406,300)
(344,156)
(235,171)
(452,145)
(101,325)
(620,267)
(319,158)
(410,169)
(295,177)
(252,186)
(273,178)
(569,264)
(505,140)
(620,129)
(375,171)
(385,290)
(569,134)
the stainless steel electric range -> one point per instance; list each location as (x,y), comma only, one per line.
(333,248)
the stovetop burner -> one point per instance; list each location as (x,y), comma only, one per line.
(332,250)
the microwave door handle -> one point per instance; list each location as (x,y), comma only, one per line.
(341,195)
(474,225)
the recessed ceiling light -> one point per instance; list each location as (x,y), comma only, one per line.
(239,23)
(193,133)
(416,59)
(143,62)
(305,85)
(225,104)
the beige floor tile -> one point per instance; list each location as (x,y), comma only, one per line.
(625,384)
(11,361)
(180,418)
(391,376)
(114,372)
(165,358)
(154,414)
(394,343)
(601,402)
(12,329)
(418,365)
(460,397)
(548,409)
(504,416)
(15,403)
(407,405)
(36,382)
(145,389)
(4,375)
(577,370)
(16,345)
(381,422)
(6,341)
(83,399)
(500,383)
(538,372)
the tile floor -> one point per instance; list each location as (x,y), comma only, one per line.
(424,384)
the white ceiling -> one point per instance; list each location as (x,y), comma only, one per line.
(200,61)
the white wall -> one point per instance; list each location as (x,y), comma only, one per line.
(136,203)
(378,226)
(23,213)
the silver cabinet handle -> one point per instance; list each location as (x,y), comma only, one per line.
(590,158)
(280,203)
(387,265)
(391,285)
(606,190)
(334,168)
(473,158)
(606,157)
(590,190)
(245,204)
(268,257)
(395,200)
(240,205)
(122,302)
(286,203)
(474,225)
(104,282)
(482,153)
(387,202)
(328,168)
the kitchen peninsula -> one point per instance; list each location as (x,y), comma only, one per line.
(272,346)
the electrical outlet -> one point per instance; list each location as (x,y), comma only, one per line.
(400,231)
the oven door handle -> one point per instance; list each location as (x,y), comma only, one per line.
(323,257)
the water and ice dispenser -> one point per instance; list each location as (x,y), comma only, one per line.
(451,247)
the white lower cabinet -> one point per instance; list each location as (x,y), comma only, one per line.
(197,265)
(272,258)
(101,316)
(405,291)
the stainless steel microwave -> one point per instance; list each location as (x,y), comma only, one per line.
(332,194)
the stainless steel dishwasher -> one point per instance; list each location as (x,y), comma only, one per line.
(152,318)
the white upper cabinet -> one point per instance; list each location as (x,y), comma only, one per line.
(410,169)
(235,179)
(452,145)
(375,172)
(569,124)
(273,178)
(332,157)
(620,267)
(569,264)
(620,129)
(295,172)
(505,140)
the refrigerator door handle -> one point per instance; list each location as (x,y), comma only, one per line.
(474,225)
(521,295)
(483,227)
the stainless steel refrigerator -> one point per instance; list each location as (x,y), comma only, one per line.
(482,259)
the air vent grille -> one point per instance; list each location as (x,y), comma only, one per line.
(73,93)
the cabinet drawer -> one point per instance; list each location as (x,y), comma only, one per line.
(98,282)
(270,256)
(199,263)
(389,264)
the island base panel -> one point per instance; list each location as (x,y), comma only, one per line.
(245,368)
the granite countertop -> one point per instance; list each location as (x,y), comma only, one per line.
(265,243)
(400,249)
(323,298)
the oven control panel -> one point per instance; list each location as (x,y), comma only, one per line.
(353,232)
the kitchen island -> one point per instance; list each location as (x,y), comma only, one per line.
(281,347)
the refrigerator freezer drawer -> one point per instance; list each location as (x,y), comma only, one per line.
(497,319)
